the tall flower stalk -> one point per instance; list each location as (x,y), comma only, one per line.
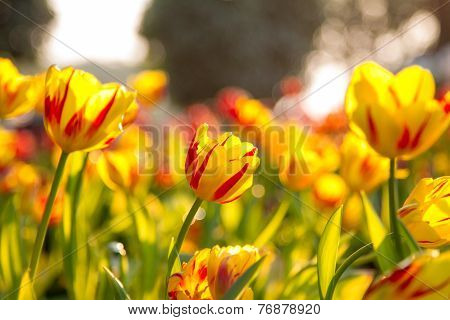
(42,230)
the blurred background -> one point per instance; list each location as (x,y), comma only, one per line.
(205,45)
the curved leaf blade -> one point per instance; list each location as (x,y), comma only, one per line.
(121,293)
(328,250)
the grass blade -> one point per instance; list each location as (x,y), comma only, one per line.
(327,252)
(121,293)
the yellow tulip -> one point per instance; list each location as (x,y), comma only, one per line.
(426,212)
(226,264)
(220,170)
(329,190)
(361,167)
(18,94)
(151,86)
(80,113)
(300,167)
(425,278)
(192,282)
(397,114)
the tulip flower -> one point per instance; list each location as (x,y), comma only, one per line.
(210,273)
(220,170)
(329,190)
(18,94)
(192,282)
(151,86)
(426,212)
(81,114)
(301,166)
(425,278)
(362,168)
(226,265)
(397,114)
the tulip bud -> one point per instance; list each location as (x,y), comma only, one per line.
(220,170)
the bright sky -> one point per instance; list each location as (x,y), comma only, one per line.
(102,30)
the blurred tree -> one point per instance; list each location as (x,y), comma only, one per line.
(19,35)
(210,44)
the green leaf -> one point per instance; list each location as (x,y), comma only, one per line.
(243,281)
(328,250)
(344,266)
(382,241)
(121,293)
(26,291)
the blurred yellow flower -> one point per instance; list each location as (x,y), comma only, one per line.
(81,114)
(353,210)
(18,94)
(226,264)
(426,212)
(118,165)
(192,282)
(151,86)
(361,167)
(7,147)
(425,278)
(19,177)
(397,114)
(329,190)
(301,166)
(252,112)
(220,170)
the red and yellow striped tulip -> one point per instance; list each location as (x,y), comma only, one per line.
(151,86)
(226,264)
(80,113)
(397,114)
(426,212)
(18,94)
(191,283)
(220,170)
(362,168)
(425,278)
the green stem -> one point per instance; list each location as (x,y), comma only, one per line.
(181,235)
(344,266)
(393,220)
(42,231)
(76,190)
